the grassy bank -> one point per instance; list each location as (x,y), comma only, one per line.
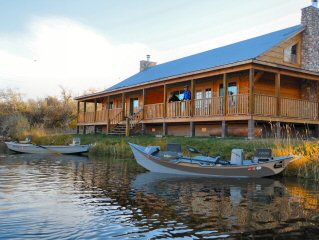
(118,146)
(307,167)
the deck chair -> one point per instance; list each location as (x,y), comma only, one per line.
(174,147)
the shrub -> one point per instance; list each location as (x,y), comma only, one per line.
(16,126)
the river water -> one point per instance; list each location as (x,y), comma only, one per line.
(74,197)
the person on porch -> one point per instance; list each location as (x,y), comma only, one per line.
(187,94)
(173,97)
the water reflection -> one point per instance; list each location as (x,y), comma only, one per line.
(221,205)
(77,197)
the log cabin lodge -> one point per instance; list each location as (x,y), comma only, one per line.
(252,88)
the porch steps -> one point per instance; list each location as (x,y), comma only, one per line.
(119,129)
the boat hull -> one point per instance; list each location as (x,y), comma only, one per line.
(264,169)
(31,148)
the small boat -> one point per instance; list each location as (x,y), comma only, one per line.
(172,161)
(47,149)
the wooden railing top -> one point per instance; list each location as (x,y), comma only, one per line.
(264,105)
(153,104)
(297,99)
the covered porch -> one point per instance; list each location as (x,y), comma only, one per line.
(254,94)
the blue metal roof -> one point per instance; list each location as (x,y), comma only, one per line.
(237,52)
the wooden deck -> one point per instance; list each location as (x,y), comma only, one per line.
(236,107)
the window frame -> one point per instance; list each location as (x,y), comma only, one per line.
(297,55)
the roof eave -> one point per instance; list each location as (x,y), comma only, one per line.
(285,67)
(105,93)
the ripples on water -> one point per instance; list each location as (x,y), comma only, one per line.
(75,197)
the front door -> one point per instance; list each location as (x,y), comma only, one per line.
(133,105)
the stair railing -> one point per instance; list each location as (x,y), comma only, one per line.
(136,118)
(116,120)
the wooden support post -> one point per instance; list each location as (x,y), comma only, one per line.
(164,129)
(192,97)
(108,115)
(278,130)
(143,103)
(251,129)
(95,109)
(108,127)
(95,129)
(316,133)
(165,102)
(143,128)
(77,119)
(225,93)
(127,127)
(212,93)
(84,111)
(251,91)
(84,129)
(224,129)
(277,92)
(123,106)
(192,129)
(318,100)
(78,110)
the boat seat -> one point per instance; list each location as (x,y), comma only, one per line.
(194,150)
(174,147)
(263,155)
(168,155)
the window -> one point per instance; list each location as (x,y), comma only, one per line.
(208,93)
(221,90)
(199,103)
(199,95)
(111,105)
(134,105)
(291,54)
(232,89)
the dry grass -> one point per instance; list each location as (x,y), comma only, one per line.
(306,167)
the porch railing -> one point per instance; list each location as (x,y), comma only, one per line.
(136,118)
(299,108)
(114,112)
(101,116)
(179,109)
(154,111)
(237,104)
(116,116)
(89,117)
(265,105)
(81,117)
(208,107)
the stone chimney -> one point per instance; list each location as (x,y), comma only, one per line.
(310,42)
(145,64)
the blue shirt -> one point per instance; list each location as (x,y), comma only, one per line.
(187,95)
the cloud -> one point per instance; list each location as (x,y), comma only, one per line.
(58,51)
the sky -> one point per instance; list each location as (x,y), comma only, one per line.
(90,45)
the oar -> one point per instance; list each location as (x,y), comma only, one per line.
(50,150)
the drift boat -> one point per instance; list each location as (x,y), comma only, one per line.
(172,161)
(44,149)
